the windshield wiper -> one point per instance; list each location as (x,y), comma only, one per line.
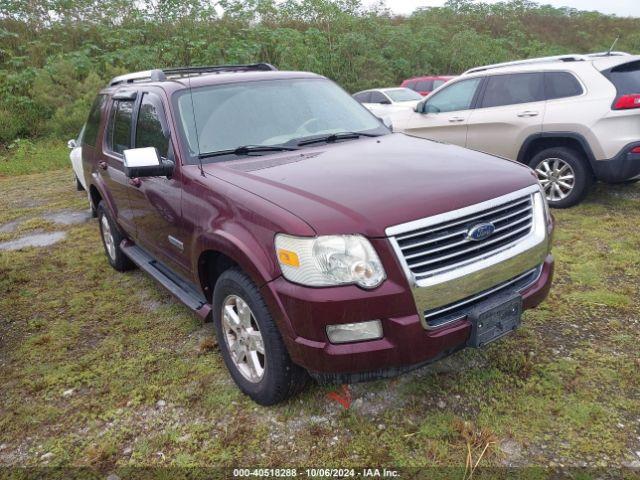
(247,149)
(336,136)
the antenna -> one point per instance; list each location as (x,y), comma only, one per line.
(612,45)
(195,125)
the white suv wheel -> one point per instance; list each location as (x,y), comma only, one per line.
(557,178)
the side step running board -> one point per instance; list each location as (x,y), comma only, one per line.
(183,291)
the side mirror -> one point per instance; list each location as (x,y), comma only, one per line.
(145,162)
(72,144)
(419,108)
(385,102)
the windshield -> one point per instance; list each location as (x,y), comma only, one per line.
(403,95)
(273,112)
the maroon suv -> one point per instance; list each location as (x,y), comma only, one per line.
(315,239)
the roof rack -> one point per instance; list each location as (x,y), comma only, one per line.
(162,75)
(556,58)
(571,57)
(609,54)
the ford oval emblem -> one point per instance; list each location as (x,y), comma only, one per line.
(480,232)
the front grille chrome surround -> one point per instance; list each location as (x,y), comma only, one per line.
(444,267)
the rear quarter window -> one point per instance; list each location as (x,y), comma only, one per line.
(90,130)
(561,85)
(625,77)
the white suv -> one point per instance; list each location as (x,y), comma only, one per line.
(574,119)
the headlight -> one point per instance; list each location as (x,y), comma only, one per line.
(329,260)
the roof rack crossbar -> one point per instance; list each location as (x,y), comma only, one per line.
(160,75)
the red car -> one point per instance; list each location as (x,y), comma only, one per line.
(425,85)
(316,240)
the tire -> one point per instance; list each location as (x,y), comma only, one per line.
(279,378)
(111,239)
(79,186)
(567,173)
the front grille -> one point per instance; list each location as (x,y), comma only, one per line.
(440,247)
(438,317)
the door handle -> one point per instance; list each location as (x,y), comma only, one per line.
(135,182)
(103,165)
(528,113)
(456,119)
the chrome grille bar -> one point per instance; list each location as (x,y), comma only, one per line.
(444,246)
(465,219)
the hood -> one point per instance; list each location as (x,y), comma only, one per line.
(366,185)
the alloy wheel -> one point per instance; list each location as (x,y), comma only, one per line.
(243,338)
(556,177)
(107,236)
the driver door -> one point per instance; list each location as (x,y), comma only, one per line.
(445,115)
(156,201)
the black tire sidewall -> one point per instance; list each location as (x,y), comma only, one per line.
(274,385)
(121,262)
(583,176)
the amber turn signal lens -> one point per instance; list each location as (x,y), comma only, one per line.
(287,257)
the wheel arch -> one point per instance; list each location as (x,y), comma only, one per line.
(228,247)
(539,141)
(95,197)
(236,247)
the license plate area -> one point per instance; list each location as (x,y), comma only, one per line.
(494,318)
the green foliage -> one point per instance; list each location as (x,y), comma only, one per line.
(23,156)
(55,55)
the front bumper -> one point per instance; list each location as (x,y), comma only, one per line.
(406,343)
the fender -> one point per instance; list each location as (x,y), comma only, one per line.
(238,244)
(244,249)
(571,135)
(98,183)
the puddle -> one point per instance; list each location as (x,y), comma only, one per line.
(68,218)
(35,240)
(10,226)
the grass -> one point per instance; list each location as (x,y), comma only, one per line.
(104,369)
(23,157)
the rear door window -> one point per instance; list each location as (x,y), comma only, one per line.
(362,97)
(561,85)
(120,135)
(438,83)
(513,89)
(149,131)
(90,135)
(625,77)
(424,86)
(377,97)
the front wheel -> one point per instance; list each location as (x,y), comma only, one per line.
(251,344)
(111,239)
(564,175)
